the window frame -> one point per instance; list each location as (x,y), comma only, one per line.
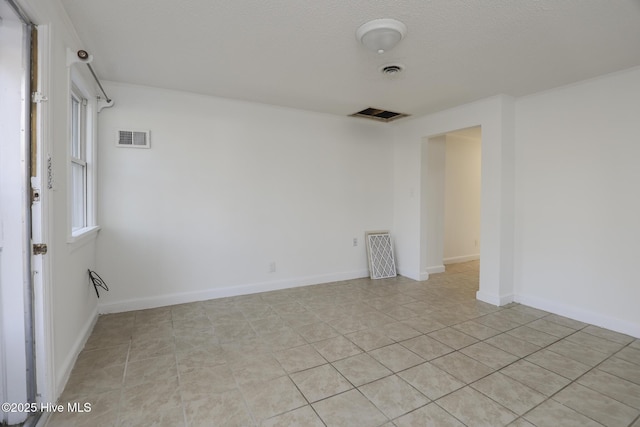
(78,152)
(84,156)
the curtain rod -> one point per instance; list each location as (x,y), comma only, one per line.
(20,12)
(84,56)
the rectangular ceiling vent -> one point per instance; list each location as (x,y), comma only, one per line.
(379,115)
(133,139)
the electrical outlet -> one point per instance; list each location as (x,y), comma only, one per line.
(476,243)
(272,267)
(355,241)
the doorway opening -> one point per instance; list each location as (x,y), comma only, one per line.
(452,183)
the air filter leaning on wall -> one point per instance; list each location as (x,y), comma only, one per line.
(382,263)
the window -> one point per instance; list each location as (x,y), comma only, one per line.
(81,161)
(78,161)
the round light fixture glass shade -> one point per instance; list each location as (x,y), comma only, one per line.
(381,35)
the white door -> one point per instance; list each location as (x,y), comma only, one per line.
(14,213)
(18,376)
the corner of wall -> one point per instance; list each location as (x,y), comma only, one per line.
(580,314)
(435,269)
(64,371)
(499,300)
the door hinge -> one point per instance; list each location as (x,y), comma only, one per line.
(38,97)
(39,248)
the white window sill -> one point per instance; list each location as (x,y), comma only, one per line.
(83,236)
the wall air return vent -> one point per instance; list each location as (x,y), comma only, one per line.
(379,115)
(133,139)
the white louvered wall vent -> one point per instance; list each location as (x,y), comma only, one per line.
(133,139)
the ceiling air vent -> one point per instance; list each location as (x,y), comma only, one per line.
(391,69)
(379,115)
(133,139)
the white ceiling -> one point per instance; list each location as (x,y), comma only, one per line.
(304,54)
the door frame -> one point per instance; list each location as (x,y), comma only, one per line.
(41,217)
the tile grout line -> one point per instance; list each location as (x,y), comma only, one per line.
(572,381)
(352,292)
(175,357)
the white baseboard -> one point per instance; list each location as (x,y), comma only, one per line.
(434,269)
(62,376)
(457,259)
(577,313)
(498,300)
(231,291)
(420,277)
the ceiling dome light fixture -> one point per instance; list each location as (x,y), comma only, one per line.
(381,35)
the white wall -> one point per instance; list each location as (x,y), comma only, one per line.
(229,187)
(415,243)
(462,198)
(578,204)
(434,153)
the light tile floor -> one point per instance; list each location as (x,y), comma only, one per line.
(390,352)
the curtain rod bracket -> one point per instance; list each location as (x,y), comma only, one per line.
(83,57)
(104,103)
(73,57)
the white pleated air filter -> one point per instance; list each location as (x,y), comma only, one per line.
(133,139)
(382,263)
